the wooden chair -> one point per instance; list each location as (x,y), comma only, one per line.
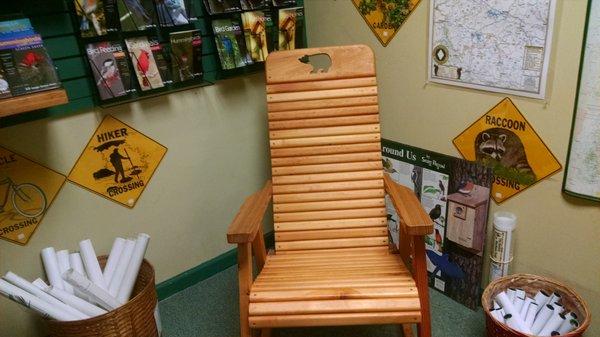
(332,264)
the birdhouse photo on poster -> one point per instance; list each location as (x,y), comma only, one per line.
(118,162)
(456,194)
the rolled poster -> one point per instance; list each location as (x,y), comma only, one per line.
(525,307)
(516,321)
(133,268)
(502,242)
(113,260)
(542,318)
(531,312)
(72,300)
(62,256)
(555,321)
(77,265)
(90,261)
(51,267)
(117,278)
(20,296)
(567,326)
(97,294)
(541,298)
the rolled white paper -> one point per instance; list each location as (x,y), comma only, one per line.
(113,259)
(51,267)
(29,287)
(531,312)
(567,326)
(555,333)
(541,298)
(509,308)
(497,314)
(97,294)
(555,321)
(72,300)
(542,318)
(62,256)
(496,305)
(555,297)
(519,302)
(46,309)
(511,322)
(525,307)
(501,255)
(572,315)
(511,293)
(520,293)
(133,268)
(77,265)
(117,278)
(90,261)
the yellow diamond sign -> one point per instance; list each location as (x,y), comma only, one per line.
(118,162)
(385,17)
(26,191)
(505,141)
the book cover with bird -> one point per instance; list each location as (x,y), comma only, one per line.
(109,65)
(27,67)
(136,15)
(144,63)
(222,6)
(96,17)
(174,12)
(258,31)
(231,44)
(158,51)
(186,55)
(250,5)
(291,28)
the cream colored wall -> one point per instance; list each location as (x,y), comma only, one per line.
(557,236)
(217,142)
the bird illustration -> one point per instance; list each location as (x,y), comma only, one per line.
(390,217)
(466,186)
(442,188)
(31,60)
(387,166)
(108,73)
(143,65)
(438,240)
(435,212)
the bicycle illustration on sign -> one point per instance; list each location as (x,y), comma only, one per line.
(27,199)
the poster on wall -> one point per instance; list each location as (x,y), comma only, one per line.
(118,162)
(385,17)
(505,141)
(456,195)
(582,176)
(501,46)
(26,191)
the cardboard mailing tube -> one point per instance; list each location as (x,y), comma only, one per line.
(525,307)
(555,321)
(542,318)
(509,308)
(531,312)
(567,326)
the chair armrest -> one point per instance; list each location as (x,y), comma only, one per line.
(249,218)
(412,215)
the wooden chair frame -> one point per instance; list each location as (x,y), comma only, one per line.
(246,231)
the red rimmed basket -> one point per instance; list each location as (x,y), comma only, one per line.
(531,284)
(133,319)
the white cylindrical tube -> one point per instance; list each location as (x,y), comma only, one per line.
(511,293)
(502,242)
(44,308)
(126,287)
(531,312)
(117,278)
(29,287)
(518,303)
(497,314)
(496,305)
(555,297)
(51,267)
(113,260)
(541,319)
(509,308)
(62,256)
(77,265)
(555,321)
(541,298)
(525,307)
(511,322)
(567,326)
(97,294)
(72,300)
(90,261)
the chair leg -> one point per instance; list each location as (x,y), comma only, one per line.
(407,330)
(245,281)
(421,279)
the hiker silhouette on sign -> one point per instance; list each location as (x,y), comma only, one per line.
(116,161)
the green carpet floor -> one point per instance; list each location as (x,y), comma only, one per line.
(210,309)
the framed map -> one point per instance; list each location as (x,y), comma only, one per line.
(582,176)
(493,45)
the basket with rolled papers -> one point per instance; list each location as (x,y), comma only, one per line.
(90,296)
(529,305)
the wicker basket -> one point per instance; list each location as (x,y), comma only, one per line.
(531,284)
(133,319)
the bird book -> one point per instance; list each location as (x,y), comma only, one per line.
(231,44)
(291,28)
(222,6)
(284,3)
(26,67)
(186,55)
(250,5)
(144,63)
(456,195)
(96,17)
(110,67)
(259,32)
(158,51)
(136,15)
(174,12)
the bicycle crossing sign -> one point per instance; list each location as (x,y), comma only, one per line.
(118,162)
(26,191)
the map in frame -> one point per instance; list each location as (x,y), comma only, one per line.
(385,17)
(582,176)
(501,46)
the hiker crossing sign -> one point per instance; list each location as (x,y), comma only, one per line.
(26,191)
(118,162)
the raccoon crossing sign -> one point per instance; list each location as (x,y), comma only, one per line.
(503,140)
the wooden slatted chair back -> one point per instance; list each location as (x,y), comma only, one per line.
(325,146)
